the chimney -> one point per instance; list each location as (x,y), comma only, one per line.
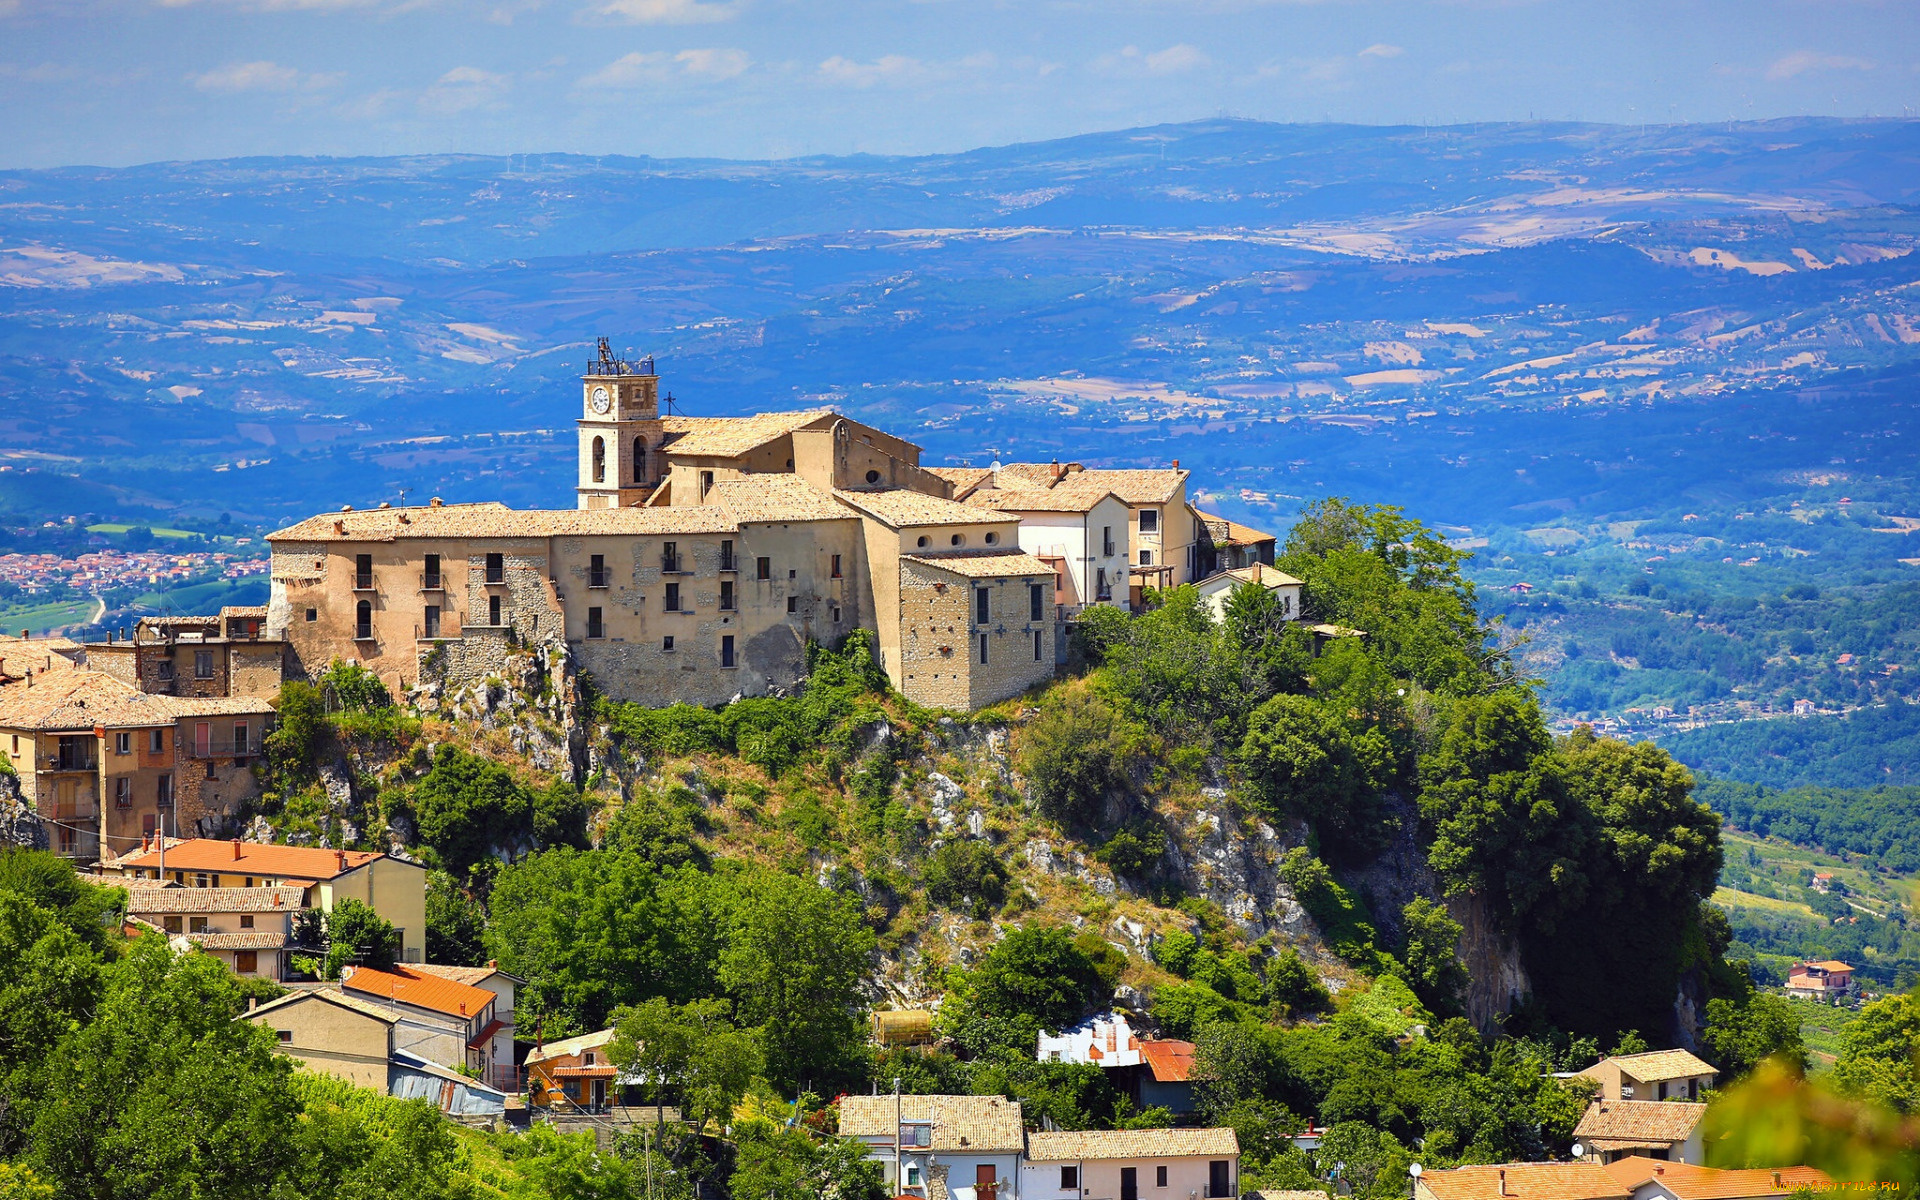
(346,508)
(1503,1181)
(436,502)
(341,856)
(385,504)
(340,527)
(1779,1183)
(253,1002)
(463,1008)
(1176,464)
(1659,1170)
(236,849)
(493,965)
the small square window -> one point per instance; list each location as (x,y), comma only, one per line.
(285,1035)
(123,743)
(793,604)
(666,643)
(197,925)
(246,921)
(836,614)
(313,614)
(171,924)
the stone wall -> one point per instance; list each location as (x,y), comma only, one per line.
(940,641)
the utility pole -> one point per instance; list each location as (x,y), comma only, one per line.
(898,1179)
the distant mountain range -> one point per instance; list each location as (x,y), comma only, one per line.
(266,336)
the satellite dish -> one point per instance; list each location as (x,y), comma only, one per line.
(1579,1151)
(1414,1170)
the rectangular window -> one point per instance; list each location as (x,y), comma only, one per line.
(493,611)
(1037,641)
(203,664)
(593,624)
(1160,1175)
(1146,558)
(285,1035)
(670,557)
(983,649)
(706,483)
(726,595)
(763,568)
(123,792)
(246,922)
(1036,602)
(240,732)
(200,880)
(1149,520)
(726,555)
(1069,1179)
(313,614)
(836,614)
(156,741)
(246,962)
(982,606)
(171,924)
(363,571)
(666,643)
(198,924)
(793,604)
(122,743)
(430,577)
(597,570)
(1106,541)
(496,569)
(202,739)
(836,566)
(726,650)
(432,627)
(673,597)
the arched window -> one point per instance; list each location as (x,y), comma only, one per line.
(363,619)
(599,460)
(639,459)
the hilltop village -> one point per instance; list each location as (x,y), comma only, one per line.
(677,836)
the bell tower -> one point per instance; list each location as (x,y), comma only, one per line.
(620,432)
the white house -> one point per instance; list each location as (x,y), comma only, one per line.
(1082,532)
(1664,1129)
(1216,589)
(1132,1164)
(1105,1041)
(947,1147)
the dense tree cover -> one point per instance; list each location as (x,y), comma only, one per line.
(692,1050)
(467,808)
(1880,823)
(1880,1053)
(1876,749)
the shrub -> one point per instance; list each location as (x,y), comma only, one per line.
(1075,752)
(1038,973)
(967,876)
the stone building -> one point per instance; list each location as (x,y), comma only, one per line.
(105,765)
(705,553)
(220,655)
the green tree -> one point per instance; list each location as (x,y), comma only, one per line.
(967,876)
(1075,752)
(796,955)
(692,1049)
(456,923)
(467,805)
(1300,761)
(48,880)
(357,935)
(549,1165)
(791,1165)
(1743,1034)
(1037,972)
(300,731)
(1880,1054)
(1432,956)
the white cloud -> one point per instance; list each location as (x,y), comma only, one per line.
(667,12)
(1802,61)
(261,76)
(1382,50)
(888,68)
(1173,60)
(284,5)
(464,88)
(642,69)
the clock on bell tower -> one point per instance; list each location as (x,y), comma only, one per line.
(620,432)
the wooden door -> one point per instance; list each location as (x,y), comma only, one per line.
(985,1181)
(1129,1183)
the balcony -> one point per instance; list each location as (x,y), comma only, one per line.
(363,581)
(247,747)
(728,562)
(432,583)
(598,578)
(65,761)
(673,564)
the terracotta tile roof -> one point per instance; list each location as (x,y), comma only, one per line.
(1170,1061)
(568,1047)
(151,900)
(79,699)
(1705,1183)
(1832,964)
(19,655)
(1644,1122)
(1259,573)
(404,985)
(1655,1065)
(902,509)
(984,564)
(255,858)
(1131,1143)
(471,976)
(1029,476)
(730,437)
(494,520)
(981,1124)
(963,479)
(246,939)
(596,1071)
(327,995)
(1526,1181)
(1160,485)
(1060,499)
(762,498)
(1226,532)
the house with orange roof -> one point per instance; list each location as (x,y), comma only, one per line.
(445,1020)
(505,1074)
(1652,1179)
(1664,1129)
(1823,981)
(392,887)
(1653,1075)
(1522,1181)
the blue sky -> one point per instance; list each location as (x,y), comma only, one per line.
(125,81)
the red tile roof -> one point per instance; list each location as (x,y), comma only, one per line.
(1705,1183)
(1170,1061)
(404,985)
(252,858)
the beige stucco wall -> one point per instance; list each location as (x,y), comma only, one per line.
(333,1040)
(1186,1177)
(394,889)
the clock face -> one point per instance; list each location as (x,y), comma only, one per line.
(602,400)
